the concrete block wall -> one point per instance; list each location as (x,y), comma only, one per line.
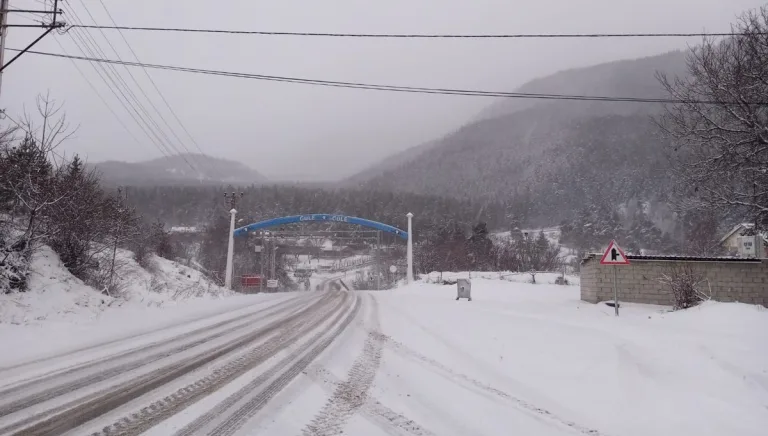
(746,282)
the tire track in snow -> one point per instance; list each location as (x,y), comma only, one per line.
(125,338)
(294,368)
(96,376)
(80,411)
(351,394)
(160,410)
(459,377)
(385,418)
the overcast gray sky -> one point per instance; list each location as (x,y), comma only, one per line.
(292,131)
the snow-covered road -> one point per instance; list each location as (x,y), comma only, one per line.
(129,386)
(518,359)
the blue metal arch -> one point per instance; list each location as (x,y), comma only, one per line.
(320,217)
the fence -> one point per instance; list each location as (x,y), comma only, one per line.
(728,279)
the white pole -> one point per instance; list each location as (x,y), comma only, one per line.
(230,249)
(409,272)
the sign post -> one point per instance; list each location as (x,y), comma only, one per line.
(614,256)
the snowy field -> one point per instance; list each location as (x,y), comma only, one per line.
(535,360)
(507,276)
(518,359)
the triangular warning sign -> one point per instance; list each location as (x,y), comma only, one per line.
(614,255)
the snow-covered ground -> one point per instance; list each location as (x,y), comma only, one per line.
(55,295)
(535,360)
(551,233)
(518,359)
(59,310)
(508,276)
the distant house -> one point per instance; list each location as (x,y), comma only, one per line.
(730,242)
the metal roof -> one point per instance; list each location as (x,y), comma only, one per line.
(686,258)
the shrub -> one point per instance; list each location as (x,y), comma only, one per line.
(686,287)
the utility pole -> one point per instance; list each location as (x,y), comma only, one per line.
(409,252)
(759,250)
(273,262)
(261,260)
(4,26)
(3,34)
(231,247)
(378,260)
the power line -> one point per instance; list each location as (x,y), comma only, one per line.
(142,117)
(124,101)
(141,89)
(109,71)
(168,105)
(98,94)
(392,88)
(89,44)
(168,141)
(415,35)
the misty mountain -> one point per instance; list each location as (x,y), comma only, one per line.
(391,163)
(176,170)
(548,157)
(634,78)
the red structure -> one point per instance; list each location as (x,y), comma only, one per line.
(250,281)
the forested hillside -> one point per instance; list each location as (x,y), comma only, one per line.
(546,160)
(179,169)
(198,206)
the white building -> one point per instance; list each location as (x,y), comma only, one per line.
(733,241)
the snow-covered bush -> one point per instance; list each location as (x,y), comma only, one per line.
(687,287)
(14,263)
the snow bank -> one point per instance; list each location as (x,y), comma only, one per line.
(165,283)
(54,295)
(509,276)
(57,296)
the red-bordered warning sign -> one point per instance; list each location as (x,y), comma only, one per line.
(614,255)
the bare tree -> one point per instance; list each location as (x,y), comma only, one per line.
(29,170)
(687,287)
(719,124)
(537,255)
(54,129)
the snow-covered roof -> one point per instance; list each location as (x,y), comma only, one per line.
(183,229)
(742,227)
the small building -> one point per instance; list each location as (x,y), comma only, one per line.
(732,240)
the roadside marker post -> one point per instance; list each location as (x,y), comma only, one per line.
(615,256)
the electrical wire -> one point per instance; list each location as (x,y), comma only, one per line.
(89,44)
(98,94)
(151,103)
(168,105)
(393,88)
(169,143)
(117,91)
(118,83)
(142,117)
(29,17)
(414,35)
